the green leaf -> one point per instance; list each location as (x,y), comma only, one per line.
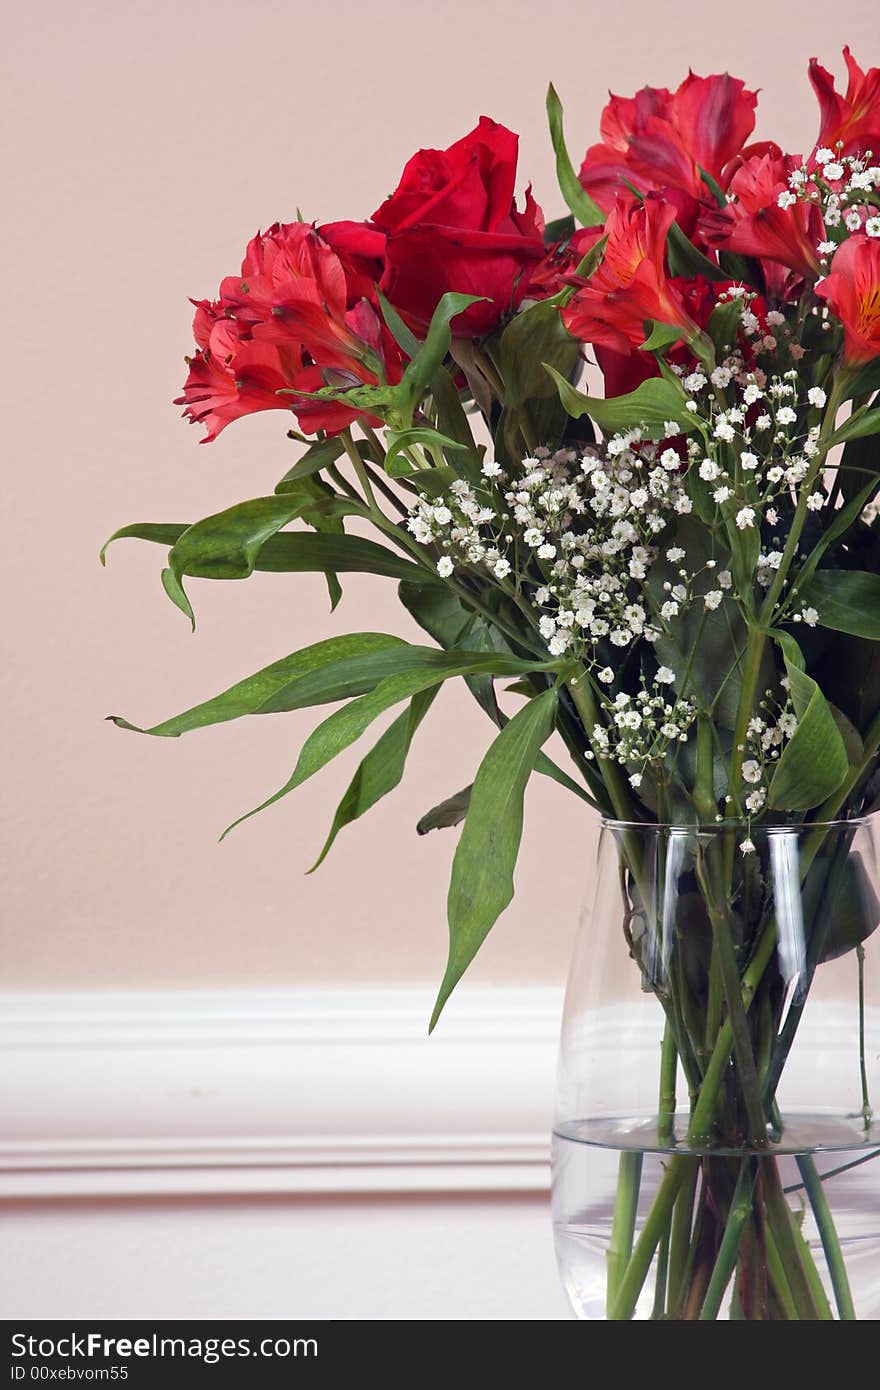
(177,594)
(402,335)
(225,546)
(860,381)
(396,463)
(248,696)
(160,532)
(858,426)
(813,763)
(354,675)
(846,601)
(662,335)
(300,552)
(686,260)
(380,771)
(482,871)
(653,405)
(588,213)
(431,353)
(724,324)
(346,725)
(452,811)
(319,456)
(533,337)
(560,229)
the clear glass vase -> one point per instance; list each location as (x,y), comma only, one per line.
(714,1152)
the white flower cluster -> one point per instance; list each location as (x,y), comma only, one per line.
(767,734)
(844,187)
(575,539)
(639,730)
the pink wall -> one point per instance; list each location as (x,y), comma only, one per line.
(145,143)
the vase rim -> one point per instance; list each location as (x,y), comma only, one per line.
(716,827)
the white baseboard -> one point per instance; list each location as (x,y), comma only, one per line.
(259,1091)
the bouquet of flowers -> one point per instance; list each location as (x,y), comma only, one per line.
(677,572)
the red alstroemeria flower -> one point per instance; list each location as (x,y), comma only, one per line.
(852,291)
(294,312)
(631,285)
(851,120)
(660,140)
(452,224)
(755,225)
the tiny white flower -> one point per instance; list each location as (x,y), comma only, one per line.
(872,226)
(824,155)
(721,377)
(546,551)
(670,460)
(606,675)
(763,422)
(786,200)
(827,248)
(785,415)
(636,780)
(721,494)
(816,396)
(724,430)
(788,723)
(669,610)
(810,616)
(774,318)
(695,382)
(675,553)
(445,567)
(751,771)
(816,501)
(748,460)
(501,568)
(833,171)
(725,579)
(713,599)
(755,800)
(664,676)
(442,515)
(709,471)
(747,847)
(745,518)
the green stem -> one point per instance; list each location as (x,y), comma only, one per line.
(623,1225)
(680,1239)
(780,1219)
(754,655)
(740,1210)
(668,1070)
(778,1277)
(657,1312)
(830,1239)
(585,704)
(656,1223)
(736,1013)
(867,1112)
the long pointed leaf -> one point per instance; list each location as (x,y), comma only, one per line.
(814,762)
(380,771)
(588,213)
(482,872)
(346,725)
(249,696)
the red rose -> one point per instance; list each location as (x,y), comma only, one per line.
(452,224)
